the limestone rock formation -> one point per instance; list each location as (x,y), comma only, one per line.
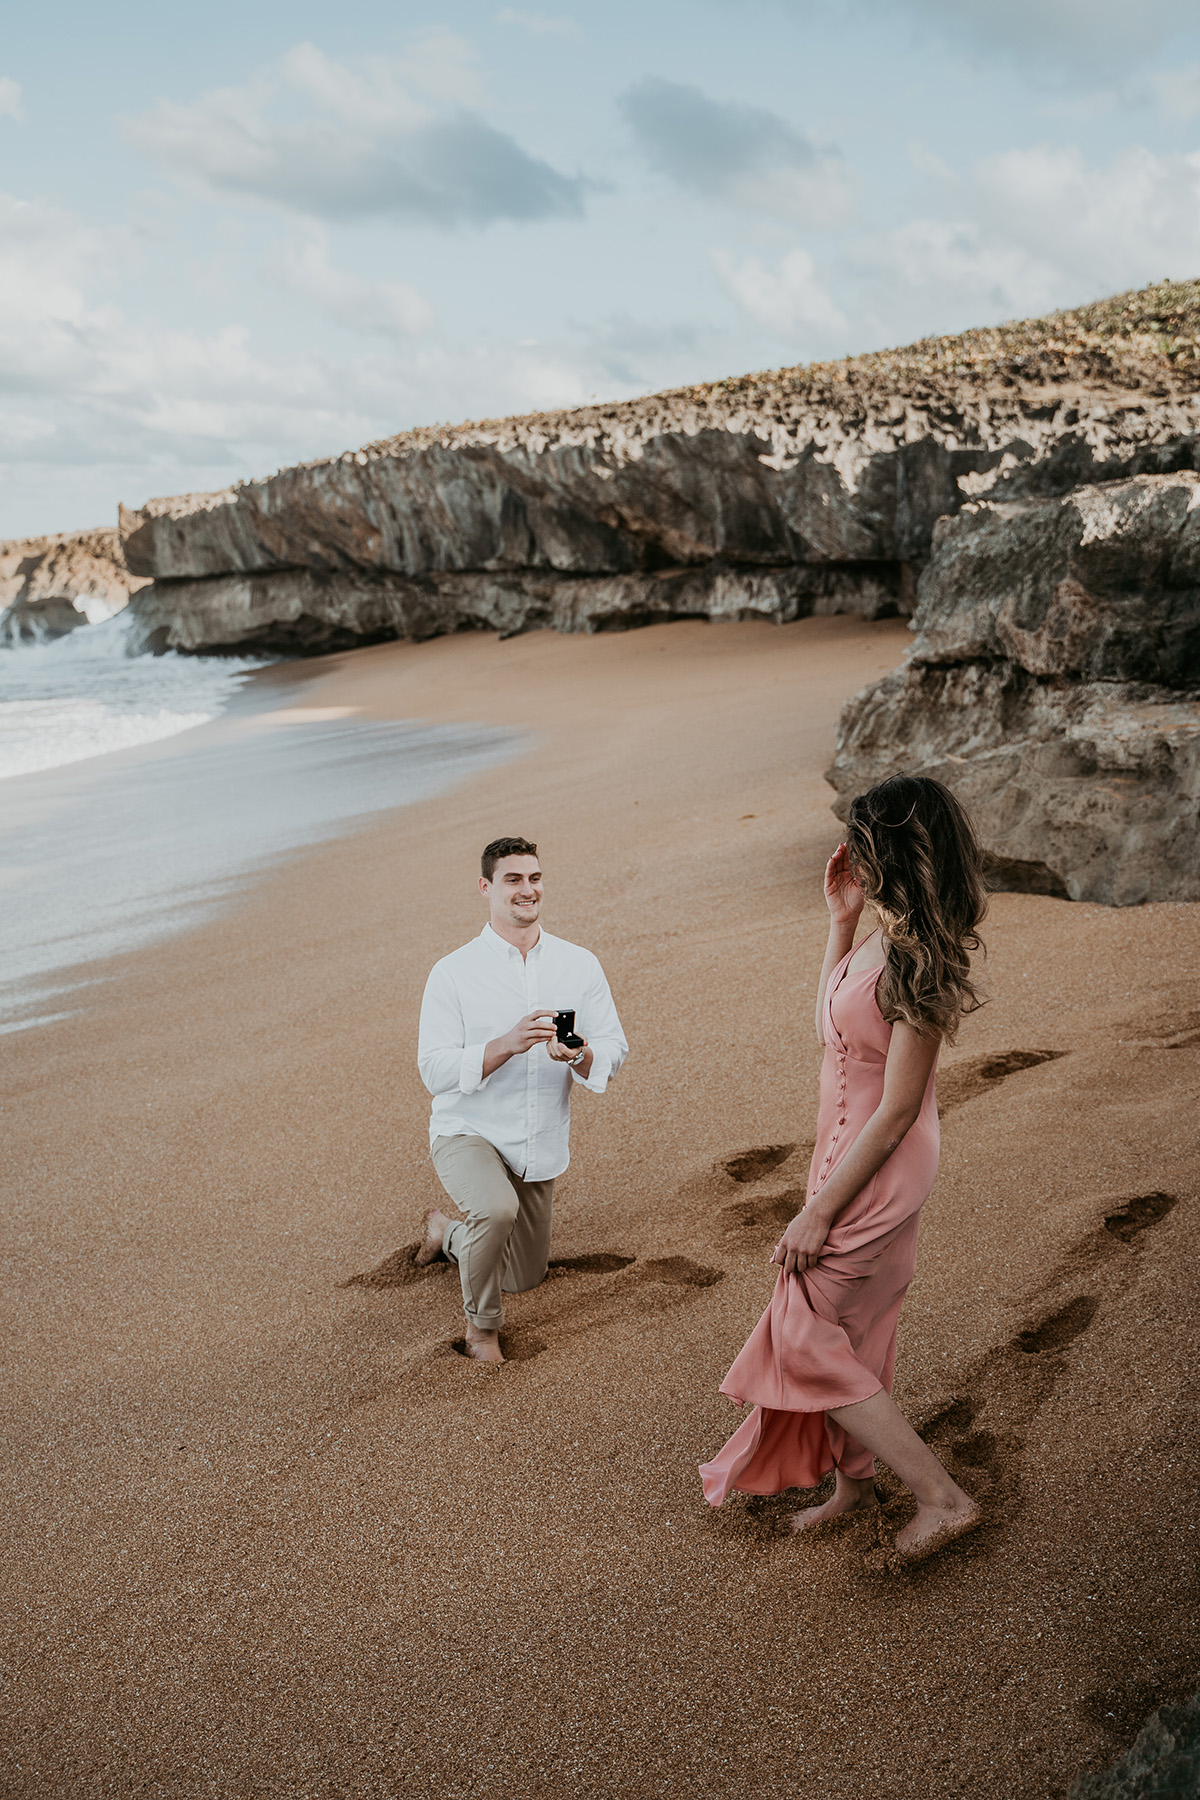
(1031,489)
(806,489)
(303,610)
(1054,684)
(50,585)
(1163,1763)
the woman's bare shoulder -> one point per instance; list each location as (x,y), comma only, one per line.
(868,953)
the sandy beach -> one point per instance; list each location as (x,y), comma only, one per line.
(269,1535)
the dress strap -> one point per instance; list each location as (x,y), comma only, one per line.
(836,977)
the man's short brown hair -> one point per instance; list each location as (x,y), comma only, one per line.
(503,847)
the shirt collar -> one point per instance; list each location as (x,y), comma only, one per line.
(502,947)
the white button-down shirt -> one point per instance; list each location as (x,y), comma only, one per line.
(477,994)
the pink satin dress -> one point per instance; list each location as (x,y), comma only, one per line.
(828,1337)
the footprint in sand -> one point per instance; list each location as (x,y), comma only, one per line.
(399,1269)
(1061,1328)
(778,1173)
(674,1278)
(776,1176)
(752,1165)
(1130,1220)
(980,1074)
(981,1433)
(1164,1031)
(580,1293)
(603,1262)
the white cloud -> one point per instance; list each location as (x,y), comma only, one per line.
(1132,221)
(391,308)
(87,384)
(1078,39)
(10,98)
(1082,27)
(375,136)
(1025,231)
(785,300)
(45,322)
(1028,231)
(100,405)
(744,156)
(1177,91)
(933,275)
(536,23)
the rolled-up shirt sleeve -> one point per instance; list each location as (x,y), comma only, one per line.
(606,1040)
(448,1064)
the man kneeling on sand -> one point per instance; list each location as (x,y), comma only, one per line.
(502,1091)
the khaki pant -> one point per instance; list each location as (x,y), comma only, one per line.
(504,1242)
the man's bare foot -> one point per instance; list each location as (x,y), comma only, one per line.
(484,1346)
(436,1226)
(847,1496)
(934,1526)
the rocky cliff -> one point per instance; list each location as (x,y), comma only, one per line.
(49,585)
(1030,490)
(802,490)
(1054,684)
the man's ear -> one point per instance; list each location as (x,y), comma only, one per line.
(484,887)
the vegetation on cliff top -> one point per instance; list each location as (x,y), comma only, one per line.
(1147,337)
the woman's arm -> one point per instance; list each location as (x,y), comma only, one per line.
(906,1076)
(844,898)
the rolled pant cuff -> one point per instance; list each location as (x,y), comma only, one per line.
(494,1321)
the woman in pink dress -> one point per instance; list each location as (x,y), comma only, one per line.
(817,1368)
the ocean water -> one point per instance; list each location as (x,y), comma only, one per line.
(138,797)
(80,696)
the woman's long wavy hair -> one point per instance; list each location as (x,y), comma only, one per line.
(915,855)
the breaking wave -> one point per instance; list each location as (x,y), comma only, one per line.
(84,695)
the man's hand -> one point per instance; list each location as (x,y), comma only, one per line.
(802,1242)
(534,1028)
(568,1052)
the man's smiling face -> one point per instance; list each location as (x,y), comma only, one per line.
(515,890)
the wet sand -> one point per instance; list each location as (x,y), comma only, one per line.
(270,1535)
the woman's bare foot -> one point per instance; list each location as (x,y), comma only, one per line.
(933,1526)
(484,1346)
(436,1226)
(847,1496)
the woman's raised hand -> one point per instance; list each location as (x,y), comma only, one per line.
(843,896)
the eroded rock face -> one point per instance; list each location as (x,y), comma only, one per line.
(301,610)
(1162,1764)
(51,585)
(1054,685)
(816,487)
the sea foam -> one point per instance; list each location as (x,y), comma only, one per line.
(84,695)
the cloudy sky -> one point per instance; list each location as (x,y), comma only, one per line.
(234,236)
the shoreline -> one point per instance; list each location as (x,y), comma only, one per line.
(299,1547)
(108,853)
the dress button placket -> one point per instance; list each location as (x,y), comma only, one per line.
(841,1100)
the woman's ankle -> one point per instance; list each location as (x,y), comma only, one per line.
(948,1499)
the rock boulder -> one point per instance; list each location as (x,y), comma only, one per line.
(1054,684)
(51,585)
